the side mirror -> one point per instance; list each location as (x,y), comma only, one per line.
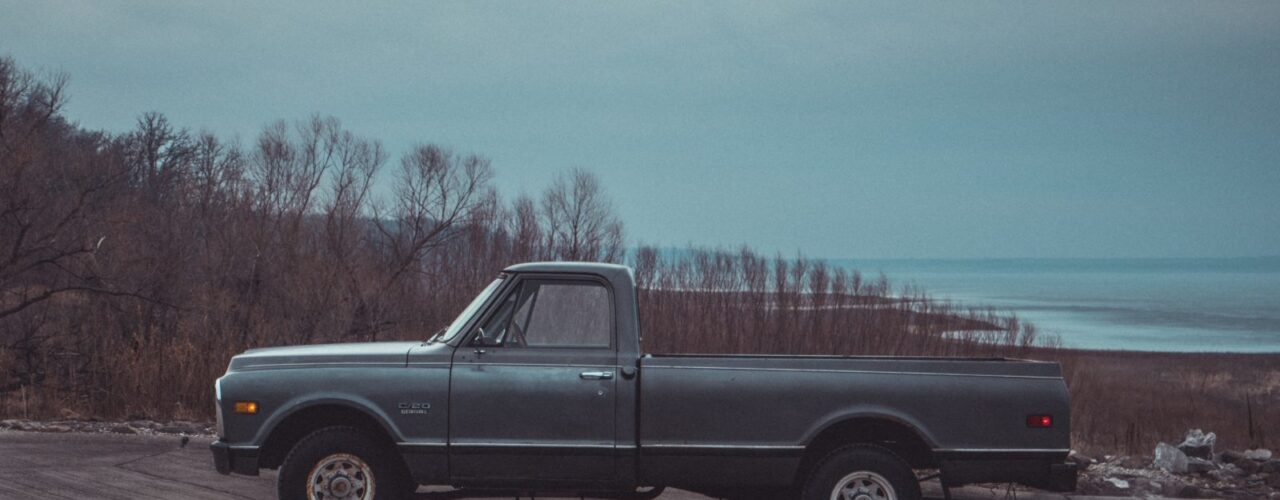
(480,340)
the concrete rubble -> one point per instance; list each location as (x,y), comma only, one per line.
(205,429)
(1191,469)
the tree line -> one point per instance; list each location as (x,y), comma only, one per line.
(134,265)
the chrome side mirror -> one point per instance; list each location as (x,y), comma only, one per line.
(480,341)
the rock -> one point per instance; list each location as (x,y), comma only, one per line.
(1081,460)
(1199,465)
(1260,454)
(1085,485)
(1248,466)
(1145,487)
(52,428)
(1230,457)
(122,429)
(1271,466)
(1134,462)
(1170,459)
(1228,474)
(178,429)
(1198,444)
(1186,491)
(1115,486)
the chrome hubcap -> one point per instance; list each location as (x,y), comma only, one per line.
(863,485)
(340,476)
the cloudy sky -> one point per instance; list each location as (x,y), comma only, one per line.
(963,129)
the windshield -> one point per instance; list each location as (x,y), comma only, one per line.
(456,327)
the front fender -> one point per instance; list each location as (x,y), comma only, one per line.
(376,391)
(349,400)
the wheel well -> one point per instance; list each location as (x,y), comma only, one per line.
(892,435)
(307,420)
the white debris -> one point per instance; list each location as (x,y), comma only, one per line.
(1260,454)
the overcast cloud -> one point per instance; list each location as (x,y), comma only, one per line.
(1061,129)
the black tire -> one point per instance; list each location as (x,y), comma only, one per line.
(844,462)
(390,478)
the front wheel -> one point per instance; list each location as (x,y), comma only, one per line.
(862,472)
(341,463)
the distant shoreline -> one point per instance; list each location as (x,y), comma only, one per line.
(1266,264)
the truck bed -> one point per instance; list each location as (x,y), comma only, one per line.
(766,409)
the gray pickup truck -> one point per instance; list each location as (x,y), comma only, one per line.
(540,386)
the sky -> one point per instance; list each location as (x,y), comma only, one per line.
(832,129)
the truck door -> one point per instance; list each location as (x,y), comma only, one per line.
(532,392)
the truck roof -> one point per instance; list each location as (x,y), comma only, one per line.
(609,271)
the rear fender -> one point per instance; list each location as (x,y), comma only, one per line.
(868,412)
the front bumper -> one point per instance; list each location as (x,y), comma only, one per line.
(234,459)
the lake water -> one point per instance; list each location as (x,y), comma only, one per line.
(1189,305)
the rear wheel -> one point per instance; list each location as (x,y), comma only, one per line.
(862,472)
(342,463)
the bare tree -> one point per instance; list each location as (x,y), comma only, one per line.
(580,220)
(436,195)
(51,185)
(289,168)
(158,157)
(526,232)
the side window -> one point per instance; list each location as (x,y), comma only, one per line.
(562,314)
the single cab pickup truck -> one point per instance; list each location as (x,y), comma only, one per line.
(540,385)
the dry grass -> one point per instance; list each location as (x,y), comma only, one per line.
(716,301)
(1125,402)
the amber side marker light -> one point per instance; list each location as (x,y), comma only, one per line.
(1040,421)
(247,407)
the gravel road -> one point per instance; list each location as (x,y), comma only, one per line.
(111,466)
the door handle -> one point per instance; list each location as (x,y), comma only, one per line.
(595,375)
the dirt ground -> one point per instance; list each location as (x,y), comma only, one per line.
(110,466)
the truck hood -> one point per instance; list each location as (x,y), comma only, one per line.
(362,354)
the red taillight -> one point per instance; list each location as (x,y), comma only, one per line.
(1040,421)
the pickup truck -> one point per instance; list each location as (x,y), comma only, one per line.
(540,386)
